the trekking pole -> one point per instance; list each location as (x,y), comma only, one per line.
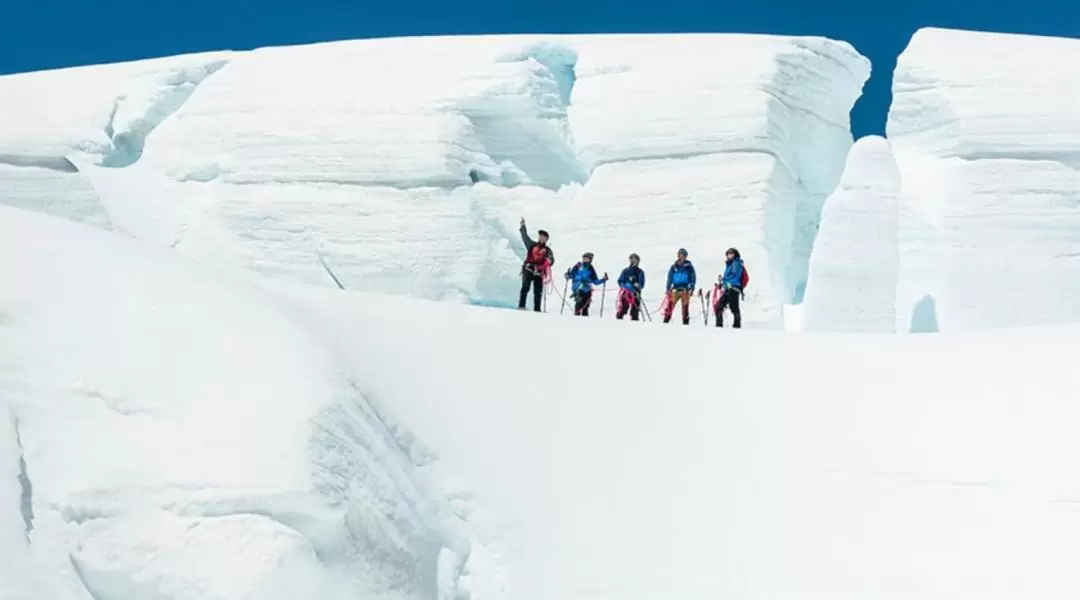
(603,293)
(566,287)
(704,315)
(645,307)
(708,303)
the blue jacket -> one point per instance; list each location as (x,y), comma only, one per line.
(632,278)
(583,277)
(681,277)
(732,276)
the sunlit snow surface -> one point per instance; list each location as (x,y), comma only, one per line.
(407,162)
(190,433)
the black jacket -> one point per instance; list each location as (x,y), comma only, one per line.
(529,245)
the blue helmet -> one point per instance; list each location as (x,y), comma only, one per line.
(683,252)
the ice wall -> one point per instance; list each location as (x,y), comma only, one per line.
(98,115)
(855,264)
(986,132)
(708,154)
(406,163)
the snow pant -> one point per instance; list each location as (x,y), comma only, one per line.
(730,299)
(674,297)
(536,282)
(628,301)
(582,300)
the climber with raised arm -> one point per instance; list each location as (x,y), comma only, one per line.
(539,259)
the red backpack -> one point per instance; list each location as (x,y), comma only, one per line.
(745,279)
(537,255)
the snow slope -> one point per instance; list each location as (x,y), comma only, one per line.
(660,462)
(407,162)
(183,438)
(200,435)
(986,134)
(855,264)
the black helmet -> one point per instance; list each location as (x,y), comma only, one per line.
(588,255)
(543,233)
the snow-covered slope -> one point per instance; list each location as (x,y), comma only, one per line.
(855,266)
(986,132)
(407,162)
(643,461)
(198,435)
(183,438)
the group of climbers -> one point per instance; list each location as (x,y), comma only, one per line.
(680,286)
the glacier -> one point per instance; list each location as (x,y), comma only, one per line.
(408,175)
(191,409)
(985,133)
(983,172)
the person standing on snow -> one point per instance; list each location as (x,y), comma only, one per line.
(731,282)
(631,282)
(681,280)
(538,262)
(582,277)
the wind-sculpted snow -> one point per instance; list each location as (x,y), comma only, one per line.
(986,133)
(406,163)
(187,440)
(854,267)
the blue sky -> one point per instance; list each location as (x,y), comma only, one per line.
(56,33)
